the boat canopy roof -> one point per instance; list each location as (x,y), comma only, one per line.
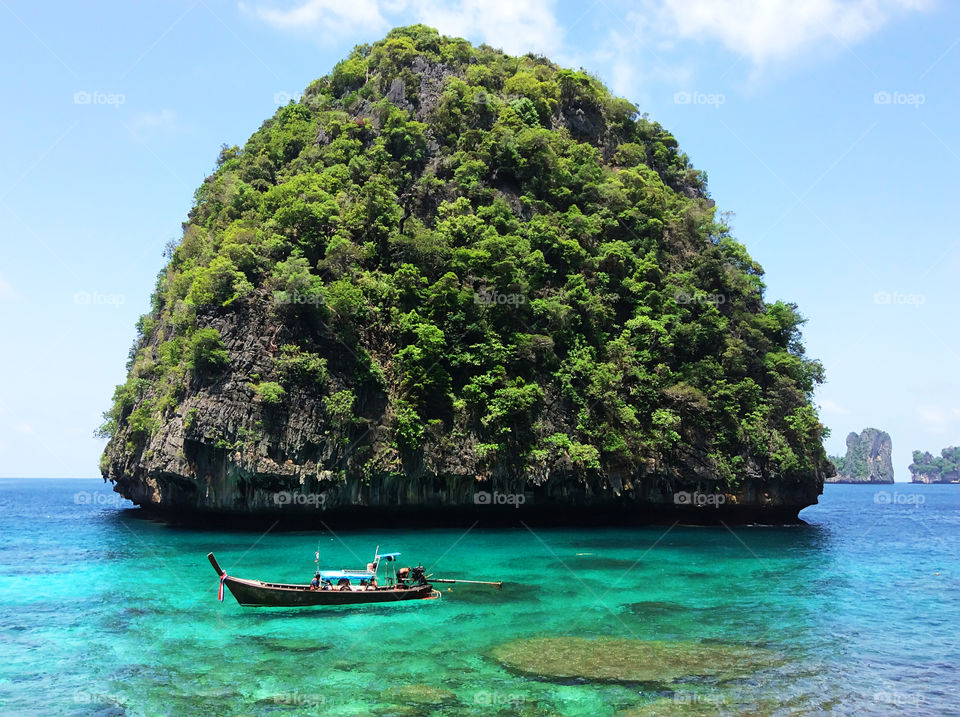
(348,574)
(389,556)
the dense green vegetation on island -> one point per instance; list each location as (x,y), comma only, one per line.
(839,463)
(945,468)
(454,244)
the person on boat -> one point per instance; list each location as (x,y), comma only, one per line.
(315,583)
(343,584)
(326,585)
(369,583)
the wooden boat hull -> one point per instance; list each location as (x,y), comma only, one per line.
(256,593)
(253,593)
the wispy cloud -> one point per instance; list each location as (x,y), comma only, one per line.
(314,15)
(154,119)
(630,61)
(829,406)
(645,39)
(6,289)
(515,26)
(938,419)
(771,30)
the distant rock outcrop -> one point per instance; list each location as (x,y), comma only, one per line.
(868,459)
(929,469)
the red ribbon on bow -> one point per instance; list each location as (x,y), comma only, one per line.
(220,592)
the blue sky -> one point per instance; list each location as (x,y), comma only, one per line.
(827,127)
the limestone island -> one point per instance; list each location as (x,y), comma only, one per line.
(868,459)
(944,468)
(451,284)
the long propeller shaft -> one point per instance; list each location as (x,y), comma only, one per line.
(497,585)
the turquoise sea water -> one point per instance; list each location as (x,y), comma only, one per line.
(855,613)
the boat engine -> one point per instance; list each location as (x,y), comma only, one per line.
(418,575)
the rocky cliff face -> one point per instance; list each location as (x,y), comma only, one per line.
(452,283)
(225,451)
(927,468)
(868,459)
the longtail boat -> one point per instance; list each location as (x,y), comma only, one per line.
(337,587)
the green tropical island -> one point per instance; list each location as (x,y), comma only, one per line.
(927,468)
(455,388)
(869,458)
(446,278)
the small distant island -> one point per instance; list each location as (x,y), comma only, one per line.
(926,468)
(868,459)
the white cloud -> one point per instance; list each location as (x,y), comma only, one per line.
(938,419)
(829,406)
(159,119)
(766,30)
(517,27)
(6,289)
(513,25)
(632,43)
(331,15)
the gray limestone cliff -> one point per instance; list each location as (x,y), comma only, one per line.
(868,459)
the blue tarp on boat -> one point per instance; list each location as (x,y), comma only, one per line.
(334,575)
